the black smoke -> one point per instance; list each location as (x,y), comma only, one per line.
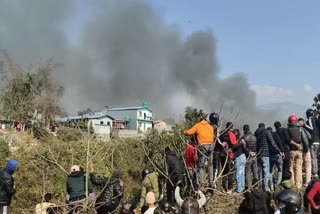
(126,54)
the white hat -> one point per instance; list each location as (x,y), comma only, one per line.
(75,168)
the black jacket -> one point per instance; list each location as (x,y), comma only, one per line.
(278,142)
(174,164)
(265,143)
(251,143)
(256,202)
(313,126)
(6,187)
(285,139)
(112,192)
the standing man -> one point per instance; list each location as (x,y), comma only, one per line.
(306,153)
(205,136)
(251,154)
(276,159)
(265,143)
(298,140)
(7,185)
(284,137)
(190,156)
(312,126)
(175,169)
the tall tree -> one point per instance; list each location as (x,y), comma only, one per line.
(28,90)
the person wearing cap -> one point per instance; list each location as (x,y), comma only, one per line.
(7,189)
(112,190)
(76,186)
(150,183)
(151,202)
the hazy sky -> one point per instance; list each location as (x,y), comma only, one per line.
(276,43)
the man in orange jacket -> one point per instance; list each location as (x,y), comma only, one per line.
(205,136)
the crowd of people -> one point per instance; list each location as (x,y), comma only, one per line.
(276,169)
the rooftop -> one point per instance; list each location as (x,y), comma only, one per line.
(128,108)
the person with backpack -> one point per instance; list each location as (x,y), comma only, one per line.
(175,168)
(190,205)
(286,183)
(256,201)
(150,183)
(228,140)
(265,144)
(313,127)
(112,190)
(298,141)
(7,189)
(205,137)
(250,143)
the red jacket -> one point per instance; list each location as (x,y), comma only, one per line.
(190,156)
(315,191)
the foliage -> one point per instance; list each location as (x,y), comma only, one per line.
(39,173)
(29,89)
(4,151)
(192,116)
(69,134)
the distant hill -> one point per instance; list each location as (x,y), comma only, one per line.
(284,109)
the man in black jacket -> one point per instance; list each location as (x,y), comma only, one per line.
(175,169)
(251,154)
(112,190)
(7,185)
(265,143)
(313,126)
(285,140)
(276,159)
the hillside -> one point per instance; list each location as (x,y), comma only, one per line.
(284,109)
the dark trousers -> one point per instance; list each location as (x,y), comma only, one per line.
(171,186)
(286,162)
(107,208)
(228,176)
(251,169)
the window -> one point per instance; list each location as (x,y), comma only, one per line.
(140,114)
(144,126)
(108,123)
(140,125)
(101,122)
(145,116)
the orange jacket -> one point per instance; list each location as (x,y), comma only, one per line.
(204,132)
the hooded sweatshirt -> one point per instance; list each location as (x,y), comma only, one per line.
(204,131)
(257,202)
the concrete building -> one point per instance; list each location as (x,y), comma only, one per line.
(102,125)
(135,118)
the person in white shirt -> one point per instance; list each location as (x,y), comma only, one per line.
(151,202)
(42,208)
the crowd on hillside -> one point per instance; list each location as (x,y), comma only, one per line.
(275,169)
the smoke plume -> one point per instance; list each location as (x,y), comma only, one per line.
(125,54)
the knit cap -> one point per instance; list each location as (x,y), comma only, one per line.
(12,165)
